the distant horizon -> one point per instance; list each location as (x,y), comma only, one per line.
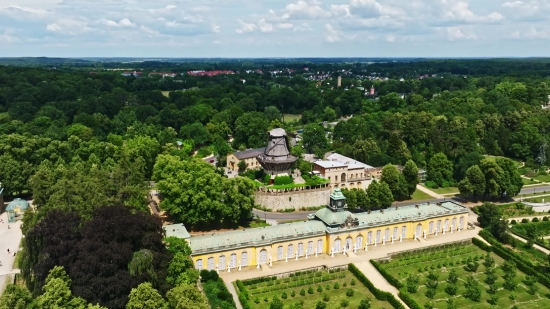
(274,57)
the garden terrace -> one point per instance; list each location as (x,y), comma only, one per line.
(463,273)
(334,286)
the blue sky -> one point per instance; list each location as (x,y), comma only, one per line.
(288,28)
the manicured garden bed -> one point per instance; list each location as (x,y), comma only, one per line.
(337,288)
(464,275)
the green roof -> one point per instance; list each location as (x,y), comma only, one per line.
(337,195)
(255,236)
(176,230)
(17,203)
(331,217)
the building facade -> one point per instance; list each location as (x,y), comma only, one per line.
(248,156)
(344,173)
(332,230)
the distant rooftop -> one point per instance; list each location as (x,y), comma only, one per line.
(176,230)
(249,153)
(338,160)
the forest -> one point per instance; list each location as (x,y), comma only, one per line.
(87,148)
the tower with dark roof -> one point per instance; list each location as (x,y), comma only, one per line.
(276,158)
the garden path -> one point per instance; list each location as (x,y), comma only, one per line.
(429,192)
(541,249)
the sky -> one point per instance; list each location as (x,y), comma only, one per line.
(274,28)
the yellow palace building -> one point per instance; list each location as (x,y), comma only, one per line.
(331,230)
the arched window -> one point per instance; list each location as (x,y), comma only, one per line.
(446,227)
(210,263)
(395,233)
(280,253)
(198,264)
(404,232)
(244,259)
(387,234)
(419,230)
(343,177)
(300,249)
(310,247)
(453,225)
(337,245)
(221,262)
(349,243)
(378,236)
(438,226)
(233,260)
(369,238)
(290,251)
(359,242)
(461,223)
(263,256)
(319,246)
(431,228)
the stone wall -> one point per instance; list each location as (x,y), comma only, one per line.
(294,198)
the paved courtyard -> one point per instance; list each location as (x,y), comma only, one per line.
(360,259)
(9,239)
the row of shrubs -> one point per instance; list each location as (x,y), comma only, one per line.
(393,281)
(295,284)
(379,294)
(283,180)
(525,220)
(522,264)
(215,290)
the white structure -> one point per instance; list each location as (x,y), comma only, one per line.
(343,172)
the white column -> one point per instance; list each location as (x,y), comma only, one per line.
(331,252)
(270,261)
(217,269)
(451,230)
(306,254)
(240,266)
(296,255)
(375,242)
(401,238)
(286,257)
(425,234)
(366,247)
(355,248)
(444,230)
(228,269)
(436,232)
(415,236)
(316,252)
(258,263)
(384,241)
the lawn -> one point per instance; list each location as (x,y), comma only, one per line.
(447,190)
(310,287)
(292,117)
(529,181)
(166,93)
(420,196)
(432,267)
(543,178)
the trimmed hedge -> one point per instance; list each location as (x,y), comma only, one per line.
(243,294)
(380,295)
(407,299)
(393,281)
(522,264)
(282,180)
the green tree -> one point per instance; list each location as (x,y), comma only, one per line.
(364,149)
(15,297)
(314,138)
(440,169)
(385,196)
(144,147)
(186,296)
(57,292)
(473,183)
(410,173)
(373,194)
(272,113)
(394,180)
(145,297)
(250,129)
(490,218)
(196,132)
(276,303)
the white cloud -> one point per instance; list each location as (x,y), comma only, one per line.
(460,11)
(303,27)
(215,28)
(53,28)
(285,26)
(332,35)
(245,27)
(305,10)
(265,26)
(455,33)
(125,22)
(531,33)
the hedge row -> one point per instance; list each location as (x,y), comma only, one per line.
(407,299)
(393,281)
(380,295)
(525,237)
(243,294)
(521,263)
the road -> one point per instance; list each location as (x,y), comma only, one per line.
(541,189)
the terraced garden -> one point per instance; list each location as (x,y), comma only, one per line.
(334,288)
(461,275)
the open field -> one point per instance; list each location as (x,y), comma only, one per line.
(432,267)
(310,287)
(166,93)
(292,117)
(420,196)
(543,178)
